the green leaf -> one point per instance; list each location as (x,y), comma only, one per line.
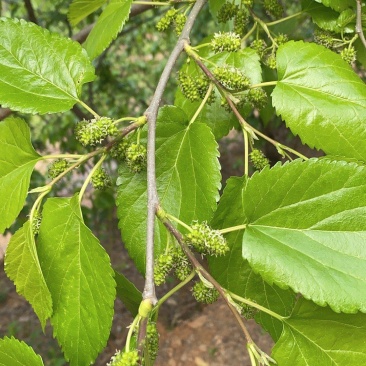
(40,72)
(128,293)
(214,115)
(109,24)
(17,353)
(80,278)
(188,180)
(17,160)
(316,336)
(305,229)
(322,16)
(338,5)
(23,268)
(80,9)
(235,274)
(321,99)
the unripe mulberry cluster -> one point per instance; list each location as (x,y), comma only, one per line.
(100,179)
(194,89)
(57,167)
(273,8)
(247,311)
(172,18)
(136,156)
(324,38)
(175,260)
(257,97)
(258,159)
(241,21)
(349,54)
(227,12)
(36,223)
(206,240)
(231,78)
(227,41)
(204,294)
(152,336)
(259,46)
(93,132)
(130,358)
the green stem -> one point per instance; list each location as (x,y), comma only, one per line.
(95,114)
(257,306)
(86,182)
(125,119)
(36,205)
(201,46)
(284,19)
(246,152)
(204,101)
(171,217)
(249,32)
(152,3)
(130,332)
(267,83)
(174,290)
(233,228)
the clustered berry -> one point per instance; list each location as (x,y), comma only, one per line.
(259,46)
(152,336)
(172,18)
(174,259)
(227,12)
(166,20)
(180,22)
(231,78)
(248,3)
(136,156)
(194,89)
(36,223)
(118,151)
(273,8)
(227,41)
(100,179)
(258,159)
(57,167)
(247,311)
(163,265)
(206,240)
(130,358)
(324,38)
(257,97)
(204,294)
(93,132)
(349,54)
(281,39)
(271,61)
(241,21)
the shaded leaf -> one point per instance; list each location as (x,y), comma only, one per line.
(321,99)
(17,353)
(188,180)
(40,72)
(80,9)
(128,293)
(80,278)
(109,24)
(234,273)
(23,268)
(17,160)
(305,229)
(316,336)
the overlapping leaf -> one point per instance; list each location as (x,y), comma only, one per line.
(80,9)
(23,268)
(80,278)
(215,116)
(17,160)
(234,273)
(321,99)
(188,180)
(40,72)
(128,293)
(316,336)
(17,353)
(306,229)
(109,24)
